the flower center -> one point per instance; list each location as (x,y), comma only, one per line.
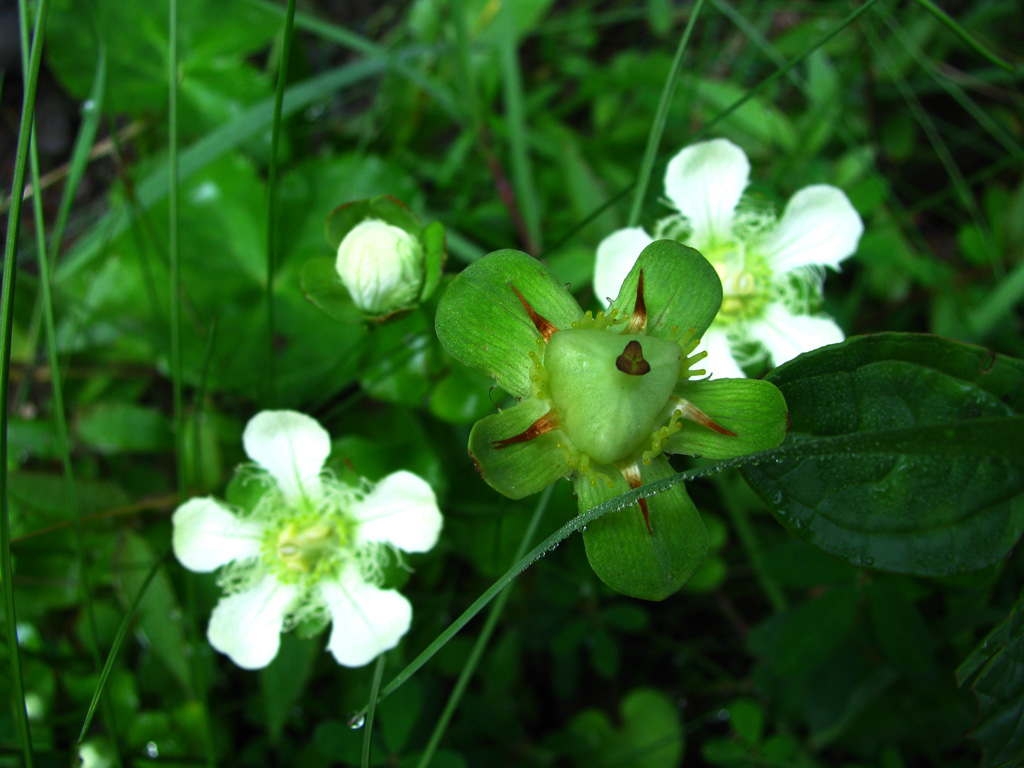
(746,281)
(304,546)
(608,388)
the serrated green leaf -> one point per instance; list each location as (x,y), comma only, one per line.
(927,474)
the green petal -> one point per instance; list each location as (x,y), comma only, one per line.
(482,323)
(629,559)
(681,289)
(752,409)
(518,469)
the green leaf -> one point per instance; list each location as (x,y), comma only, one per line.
(124,428)
(285,679)
(754,411)
(651,735)
(796,641)
(682,291)
(928,479)
(461,397)
(629,558)
(902,633)
(324,289)
(158,614)
(517,469)
(483,323)
(434,259)
(215,35)
(995,672)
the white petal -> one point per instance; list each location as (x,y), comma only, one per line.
(207,536)
(247,626)
(787,335)
(705,182)
(292,447)
(719,363)
(616,255)
(401,510)
(366,620)
(819,226)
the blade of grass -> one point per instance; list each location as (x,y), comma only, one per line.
(6,334)
(173,191)
(378,673)
(660,118)
(705,129)
(275,141)
(784,71)
(960,32)
(251,122)
(737,512)
(942,150)
(933,439)
(349,39)
(998,305)
(115,647)
(481,642)
(172,243)
(79,160)
(518,134)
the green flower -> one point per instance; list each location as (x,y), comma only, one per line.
(601,399)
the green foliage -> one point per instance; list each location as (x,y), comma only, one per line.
(993,672)
(819,632)
(933,486)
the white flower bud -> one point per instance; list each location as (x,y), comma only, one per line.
(382,266)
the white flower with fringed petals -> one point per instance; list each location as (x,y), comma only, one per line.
(771,271)
(313,548)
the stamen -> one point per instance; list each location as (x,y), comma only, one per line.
(633,479)
(541,322)
(638,322)
(631,361)
(690,411)
(541,426)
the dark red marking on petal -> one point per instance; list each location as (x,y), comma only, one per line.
(542,323)
(690,411)
(541,426)
(633,479)
(638,321)
(631,361)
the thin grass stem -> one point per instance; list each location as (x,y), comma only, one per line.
(482,641)
(960,32)
(378,673)
(6,334)
(115,647)
(275,140)
(660,118)
(518,134)
(172,241)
